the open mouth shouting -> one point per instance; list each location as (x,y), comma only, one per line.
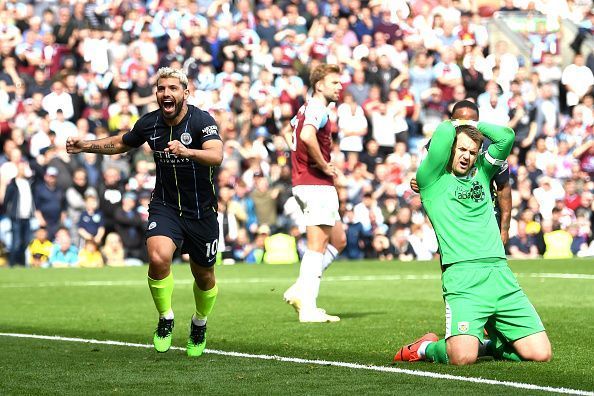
(169,107)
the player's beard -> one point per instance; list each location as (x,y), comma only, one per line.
(178,108)
(331,98)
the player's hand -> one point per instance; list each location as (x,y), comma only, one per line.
(177,148)
(504,237)
(330,170)
(413,185)
(74,145)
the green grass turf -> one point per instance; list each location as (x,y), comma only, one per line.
(378,316)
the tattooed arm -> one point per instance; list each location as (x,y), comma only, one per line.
(110,145)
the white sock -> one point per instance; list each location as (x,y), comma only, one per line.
(423,348)
(329,256)
(198,322)
(483,348)
(309,278)
(168,315)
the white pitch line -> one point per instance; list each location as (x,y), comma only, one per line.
(352,278)
(385,369)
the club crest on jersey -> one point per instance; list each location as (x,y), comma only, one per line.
(186,138)
(463,327)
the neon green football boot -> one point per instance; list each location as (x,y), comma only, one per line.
(196,340)
(163,335)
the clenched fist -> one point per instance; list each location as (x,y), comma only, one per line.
(176,147)
(74,145)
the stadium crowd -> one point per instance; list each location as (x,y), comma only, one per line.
(87,68)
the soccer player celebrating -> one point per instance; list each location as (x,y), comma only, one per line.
(313,187)
(479,289)
(182,212)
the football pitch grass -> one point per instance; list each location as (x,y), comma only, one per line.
(382,306)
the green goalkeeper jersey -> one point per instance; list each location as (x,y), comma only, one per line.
(460,208)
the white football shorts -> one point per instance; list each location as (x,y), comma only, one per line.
(318,203)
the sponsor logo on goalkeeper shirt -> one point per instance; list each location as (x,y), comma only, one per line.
(476,192)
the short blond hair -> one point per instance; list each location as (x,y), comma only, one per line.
(320,72)
(170,72)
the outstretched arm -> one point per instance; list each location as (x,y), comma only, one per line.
(438,156)
(110,145)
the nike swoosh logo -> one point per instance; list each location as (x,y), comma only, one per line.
(154,138)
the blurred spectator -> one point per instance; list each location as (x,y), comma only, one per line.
(381,249)
(256,254)
(58,99)
(421,75)
(523,121)
(130,227)
(547,110)
(50,203)
(522,245)
(403,250)
(352,125)
(368,214)
(542,41)
(355,236)
(19,205)
(90,256)
(558,242)
(64,252)
(264,199)
(91,226)
(358,88)
(75,197)
(40,249)
(473,79)
(246,212)
(578,80)
(447,74)
(585,30)
(242,246)
(228,225)
(113,250)
(110,196)
(423,241)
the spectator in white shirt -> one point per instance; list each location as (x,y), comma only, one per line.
(58,98)
(578,80)
(352,124)
(369,214)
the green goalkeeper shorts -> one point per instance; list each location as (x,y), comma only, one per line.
(475,292)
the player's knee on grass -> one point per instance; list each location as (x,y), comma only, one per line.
(540,356)
(535,348)
(462,350)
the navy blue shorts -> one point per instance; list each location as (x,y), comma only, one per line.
(197,237)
